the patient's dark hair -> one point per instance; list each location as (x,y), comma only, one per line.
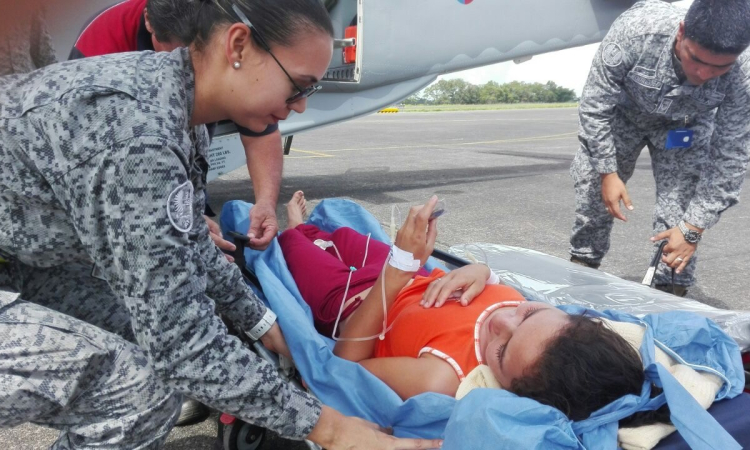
(584,368)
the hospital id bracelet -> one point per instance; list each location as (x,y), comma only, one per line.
(403,260)
(265,324)
(493,278)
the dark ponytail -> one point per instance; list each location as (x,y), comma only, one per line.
(280,22)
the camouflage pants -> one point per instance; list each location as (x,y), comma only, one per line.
(71,290)
(676,173)
(95,387)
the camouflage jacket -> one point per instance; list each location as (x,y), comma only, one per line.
(99,166)
(636,75)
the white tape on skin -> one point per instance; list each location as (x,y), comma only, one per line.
(403,260)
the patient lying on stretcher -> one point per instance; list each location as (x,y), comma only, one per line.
(441,326)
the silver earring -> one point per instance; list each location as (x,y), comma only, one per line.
(236,65)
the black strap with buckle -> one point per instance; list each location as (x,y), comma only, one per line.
(240,242)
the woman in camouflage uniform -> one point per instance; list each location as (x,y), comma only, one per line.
(102,168)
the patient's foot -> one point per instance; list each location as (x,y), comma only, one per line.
(296,210)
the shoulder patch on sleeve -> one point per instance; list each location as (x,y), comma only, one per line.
(612,54)
(180,207)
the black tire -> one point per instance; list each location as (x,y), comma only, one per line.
(192,412)
(241,436)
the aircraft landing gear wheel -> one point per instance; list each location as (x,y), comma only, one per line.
(241,436)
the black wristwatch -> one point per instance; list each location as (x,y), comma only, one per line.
(691,236)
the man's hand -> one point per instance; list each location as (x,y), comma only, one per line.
(214,231)
(613,190)
(463,283)
(677,252)
(335,431)
(263,225)
(274,341)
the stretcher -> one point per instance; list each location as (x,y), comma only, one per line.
(552,280)
(537,276)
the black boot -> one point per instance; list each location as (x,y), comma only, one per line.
(583,262)
(192,412)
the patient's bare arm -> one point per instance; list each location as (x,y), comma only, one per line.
(413,376)
(367,319)
(461,284)
(417,236)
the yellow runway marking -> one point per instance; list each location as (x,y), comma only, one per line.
(470,120)
(311,153)
(456,144)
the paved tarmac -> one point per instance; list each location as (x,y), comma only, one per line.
(504,177)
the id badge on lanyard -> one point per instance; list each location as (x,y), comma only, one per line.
(679,137)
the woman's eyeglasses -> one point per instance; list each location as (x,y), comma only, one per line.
(301,93)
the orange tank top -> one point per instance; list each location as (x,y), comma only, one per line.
(446,332)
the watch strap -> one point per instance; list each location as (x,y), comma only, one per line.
(265,324)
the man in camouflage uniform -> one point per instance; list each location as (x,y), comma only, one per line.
(682,89)
(101,195)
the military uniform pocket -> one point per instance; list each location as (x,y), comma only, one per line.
(644,88)
(707,100)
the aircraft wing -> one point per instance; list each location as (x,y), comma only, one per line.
(406,44)
(390,49)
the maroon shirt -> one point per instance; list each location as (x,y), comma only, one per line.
(117,29)
(122,28)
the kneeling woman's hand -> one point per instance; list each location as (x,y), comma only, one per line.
(274,341)
(464,284)
(337,432)
(418,233)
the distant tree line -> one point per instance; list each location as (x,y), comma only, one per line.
(461,92)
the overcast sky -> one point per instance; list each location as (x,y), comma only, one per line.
(542,68)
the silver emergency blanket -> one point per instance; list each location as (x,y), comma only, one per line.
(556,281)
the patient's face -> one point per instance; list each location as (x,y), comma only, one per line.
(513,339)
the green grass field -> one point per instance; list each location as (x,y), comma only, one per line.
(496,106)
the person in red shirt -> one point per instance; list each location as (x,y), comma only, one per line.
(164,25)
(123,27)
(438,327)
